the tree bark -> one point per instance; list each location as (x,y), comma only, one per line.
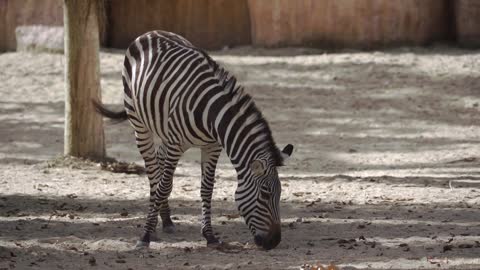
(84,135)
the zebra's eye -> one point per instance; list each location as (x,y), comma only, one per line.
(265,195)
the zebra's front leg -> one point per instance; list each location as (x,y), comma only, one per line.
(162,192)
(209,162)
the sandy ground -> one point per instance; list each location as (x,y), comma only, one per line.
(385,174)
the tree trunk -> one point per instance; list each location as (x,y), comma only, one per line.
(83,126)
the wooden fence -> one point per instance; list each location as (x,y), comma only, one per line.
(207,23)
(213,24)
(346,23)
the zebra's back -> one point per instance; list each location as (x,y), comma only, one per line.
(166,83)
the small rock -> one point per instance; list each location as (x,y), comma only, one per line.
(92,261)
(342,241)
(465,246)
(447,248)
(5,253)
(72,196)
(124,212)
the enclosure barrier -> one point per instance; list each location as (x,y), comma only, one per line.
(467,23)
(214,24)
(345,23)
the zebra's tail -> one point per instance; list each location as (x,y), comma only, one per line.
(102,109)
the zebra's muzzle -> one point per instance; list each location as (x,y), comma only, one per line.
(271,240)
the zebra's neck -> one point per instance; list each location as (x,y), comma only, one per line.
(241,129)
(237,123)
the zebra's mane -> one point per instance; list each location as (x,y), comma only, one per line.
(238,95)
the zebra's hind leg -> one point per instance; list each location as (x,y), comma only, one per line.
(162,192)
(146,147)
(209,162)
(167,224)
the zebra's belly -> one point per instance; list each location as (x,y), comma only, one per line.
(175,127)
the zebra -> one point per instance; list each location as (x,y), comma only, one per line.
(175,92)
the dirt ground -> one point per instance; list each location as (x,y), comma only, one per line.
(385,173)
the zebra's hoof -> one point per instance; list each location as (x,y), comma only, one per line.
(214,243)
(142,245)
(154,237)
(169,229)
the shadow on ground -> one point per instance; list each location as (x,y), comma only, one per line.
(346,234)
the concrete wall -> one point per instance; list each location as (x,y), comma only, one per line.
(26,12)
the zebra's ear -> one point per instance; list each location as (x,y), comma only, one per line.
(287,151)
(257,167)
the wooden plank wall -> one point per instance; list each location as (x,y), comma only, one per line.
(467,24)
(3,23)
(346,23)
(208,24)
(213,24)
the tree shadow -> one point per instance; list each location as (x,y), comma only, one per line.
(344,234)
(31,132)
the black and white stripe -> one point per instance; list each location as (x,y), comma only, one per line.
(177,93)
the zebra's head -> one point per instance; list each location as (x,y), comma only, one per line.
(258,200)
